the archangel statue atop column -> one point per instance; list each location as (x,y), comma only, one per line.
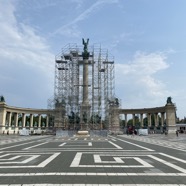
(85,53)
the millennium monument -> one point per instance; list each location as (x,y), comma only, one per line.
(84,99)
(84,88)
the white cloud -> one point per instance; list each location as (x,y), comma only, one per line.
(25,59)
(138,80)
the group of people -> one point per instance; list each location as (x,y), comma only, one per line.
(8,132)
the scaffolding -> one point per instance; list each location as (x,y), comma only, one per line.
(68,87)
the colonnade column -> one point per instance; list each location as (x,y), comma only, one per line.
(133,119)
(3,114)
(23,119)
(155,119)
(10,119)
(39,121)
(141,120)
(125,120)
(149,119)
(162,118)
(31,120)
(47,121)
(16,120)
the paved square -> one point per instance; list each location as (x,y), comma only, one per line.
(112,161)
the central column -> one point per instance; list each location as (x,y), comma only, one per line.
(85,106)
(85,82)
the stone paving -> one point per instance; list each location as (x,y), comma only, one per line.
(114,161)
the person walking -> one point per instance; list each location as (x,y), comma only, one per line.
(177,133)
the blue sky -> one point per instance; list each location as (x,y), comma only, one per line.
(146,38)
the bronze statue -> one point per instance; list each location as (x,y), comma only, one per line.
(85,53)
(169,100)
(85,45)
(2,99)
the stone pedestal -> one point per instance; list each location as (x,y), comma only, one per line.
(2,116)
(114,119)
(82,134)
(170,117)
(85,117)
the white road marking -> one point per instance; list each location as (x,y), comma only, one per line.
(86,150)
(134,144)
(62,144)
(4,155)
(93,174)
(82,184)
(117,146)
(13,158)
(19,145)
(168,164)
(35,146)
(48,160)
(42,164)
(76,160)
(90,144)
(177,159)
(97,159)
(22,162)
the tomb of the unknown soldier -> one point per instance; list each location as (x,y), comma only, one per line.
(79,140)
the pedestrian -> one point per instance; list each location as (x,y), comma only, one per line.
(177,133)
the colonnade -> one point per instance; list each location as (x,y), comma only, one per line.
(165,115)
(159,119)
(10,120)
(13,119)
